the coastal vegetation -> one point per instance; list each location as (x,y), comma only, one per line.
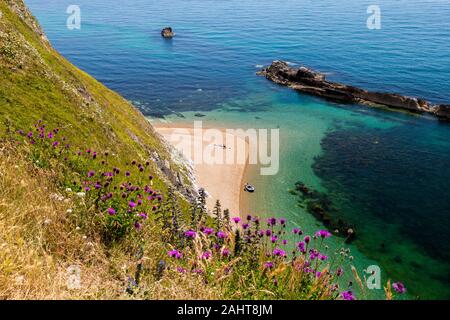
(87,185)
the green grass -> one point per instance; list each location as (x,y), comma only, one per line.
(38,83)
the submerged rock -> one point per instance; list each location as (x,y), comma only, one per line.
(167,33)
(315,83)
(320,206)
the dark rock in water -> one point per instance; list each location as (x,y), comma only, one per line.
(200,115)
(167,33)
(321,207)
(315,83)
(442,111)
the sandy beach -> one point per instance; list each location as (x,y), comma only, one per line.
(222,181)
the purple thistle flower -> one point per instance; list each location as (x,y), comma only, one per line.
(137,225)
(296,231)
(274,239)
(279,253)
(236,219)
(323,257)
(313,254)
(272,221)
(91,174)
(206,255)
(307,239)
(190,234)
(225,252)
(282,221)
(339,271)
(50,135)
(268,233)
(285,242)
(175,254)
(132,204)
(30,134)
(143,215)
(323,234)
(249,217)
(245,226)
(399,287)
(208,231)
(268,265)
(221,235)
(111,211)
(347,295)
(55,144)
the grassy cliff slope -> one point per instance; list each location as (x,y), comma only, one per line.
(38,83)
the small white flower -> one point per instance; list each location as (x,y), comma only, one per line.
(77,228)
(69,211)
(19,280)
(81,194)
(68,190)
(47,221)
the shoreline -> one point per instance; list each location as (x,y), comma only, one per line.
(221,181)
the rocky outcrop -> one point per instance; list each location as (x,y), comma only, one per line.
(167,33)
(315,83)
(442,111)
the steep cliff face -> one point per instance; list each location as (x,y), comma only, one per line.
(38,83)
(315,83)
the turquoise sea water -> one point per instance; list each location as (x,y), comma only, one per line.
(386,172)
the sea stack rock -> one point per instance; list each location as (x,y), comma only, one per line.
(167,33)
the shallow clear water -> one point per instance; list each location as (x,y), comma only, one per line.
(385,172)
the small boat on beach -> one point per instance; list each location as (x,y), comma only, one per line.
(249,188)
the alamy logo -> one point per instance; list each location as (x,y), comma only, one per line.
(73,277)
(74,19)
(230,146)
(373,280)
(374,20)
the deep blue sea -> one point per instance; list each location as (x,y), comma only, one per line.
(388,173)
